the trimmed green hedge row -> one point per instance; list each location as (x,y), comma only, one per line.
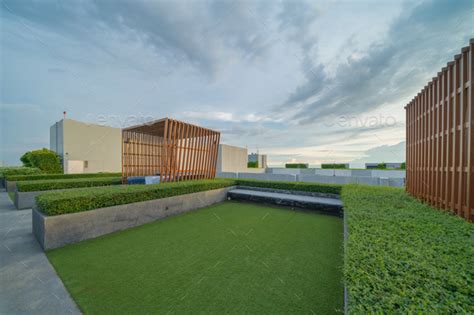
(18,170)
(40,185)
(334,166)
(296,165)
(60,176)
(297,186)
(403,256)
(84,199)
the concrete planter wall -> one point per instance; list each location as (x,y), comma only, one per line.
(56,231)
(27,199)
(10,185)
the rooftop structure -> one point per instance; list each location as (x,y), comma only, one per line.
(86,148)
(171,149)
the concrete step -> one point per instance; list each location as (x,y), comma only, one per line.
(282,198)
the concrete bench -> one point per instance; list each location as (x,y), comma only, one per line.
(328,205)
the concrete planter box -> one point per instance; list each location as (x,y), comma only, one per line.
(10,185)
(56,231)
(27,199)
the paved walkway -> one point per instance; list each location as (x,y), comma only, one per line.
(28,282)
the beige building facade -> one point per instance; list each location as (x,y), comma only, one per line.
(87,148)
(231,159)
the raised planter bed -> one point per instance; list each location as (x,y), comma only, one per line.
(10,185)
(26,200)
(56,231)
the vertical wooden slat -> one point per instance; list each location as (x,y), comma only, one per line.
(208,153)
(193,152)
(186,153)
(200,145)
(176,154)
(470,131)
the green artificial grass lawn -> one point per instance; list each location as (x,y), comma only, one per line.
(228,258)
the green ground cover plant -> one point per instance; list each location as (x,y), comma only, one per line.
(59,176)
(51,184)
(403,256)
(230,258)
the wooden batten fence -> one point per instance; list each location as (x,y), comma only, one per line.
(440,139)
(172,149)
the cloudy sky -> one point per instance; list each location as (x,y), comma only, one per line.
(306,81)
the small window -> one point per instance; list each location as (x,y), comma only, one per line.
(86,164)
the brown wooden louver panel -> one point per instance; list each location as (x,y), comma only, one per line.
(173,149)
(440,139)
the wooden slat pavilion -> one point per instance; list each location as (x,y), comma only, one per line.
(172,149)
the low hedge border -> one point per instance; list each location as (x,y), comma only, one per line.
(403,256)
(83,199)
(296,186)
(59,176)
(18,170)
(42,185)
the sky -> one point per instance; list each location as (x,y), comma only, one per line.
(301,81)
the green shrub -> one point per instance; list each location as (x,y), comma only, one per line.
(252,164)
(403,166)
(382,166)
(46,160)
(18,170)
(405,257)
(50,184)
(296,186)
(334,166)
(60,176)
(296,165)
(83,199)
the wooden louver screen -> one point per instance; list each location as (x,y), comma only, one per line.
(440,139)
(172,149)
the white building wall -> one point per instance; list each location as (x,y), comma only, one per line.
(231,159)
(97,148)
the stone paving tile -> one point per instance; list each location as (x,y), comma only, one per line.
(28,282)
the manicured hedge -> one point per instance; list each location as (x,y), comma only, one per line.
(334,166)
(296,165)
(50,184)
(298,186)
(84,199)
(60,176)
(18,170)
(403,256)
